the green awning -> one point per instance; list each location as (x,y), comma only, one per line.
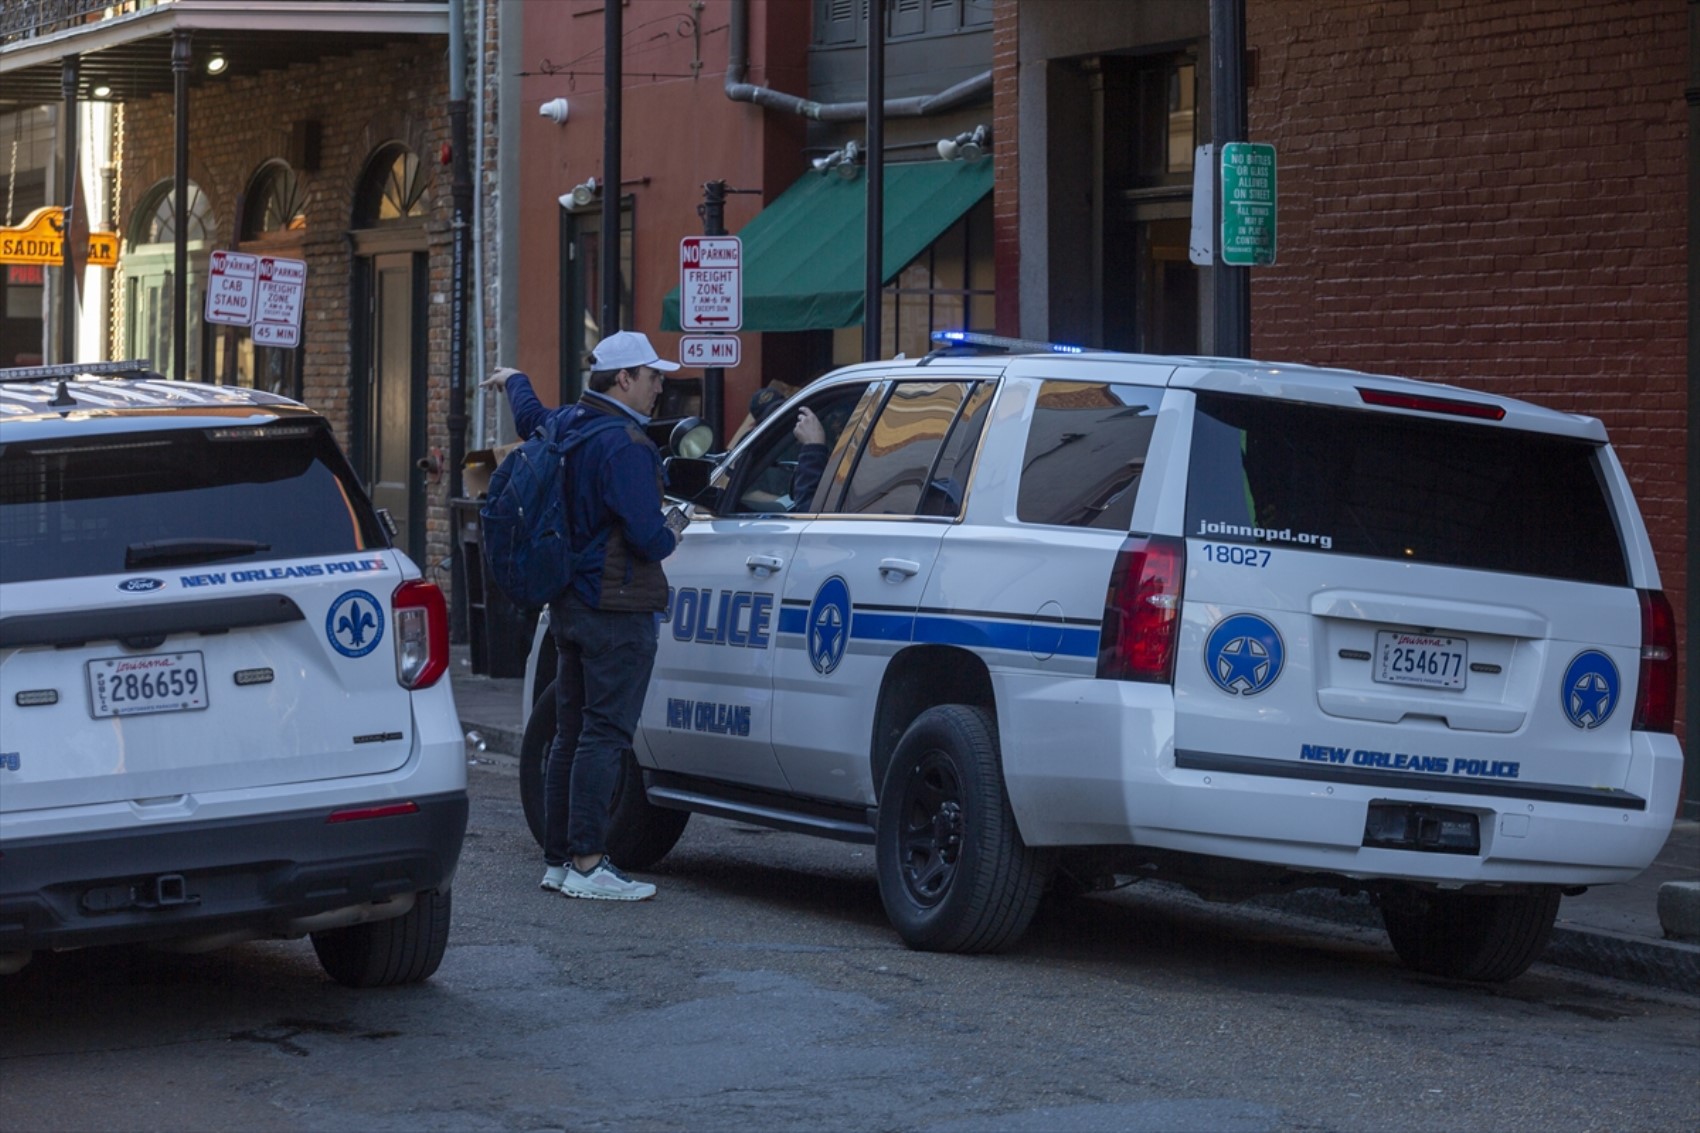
(803,253)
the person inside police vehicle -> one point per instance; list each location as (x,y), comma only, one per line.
(792,470)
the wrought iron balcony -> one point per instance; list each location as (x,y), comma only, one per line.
(123,46)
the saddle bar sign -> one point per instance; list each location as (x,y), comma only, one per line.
(40,240)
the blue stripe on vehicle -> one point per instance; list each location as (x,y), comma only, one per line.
(936,629)
(865,626)
(984,634)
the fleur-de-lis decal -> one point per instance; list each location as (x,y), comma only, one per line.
(356,626)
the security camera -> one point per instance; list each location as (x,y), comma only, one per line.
(555,110)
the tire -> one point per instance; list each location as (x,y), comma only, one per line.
(639,833)
(954,874)
(1487,939)
(402,950)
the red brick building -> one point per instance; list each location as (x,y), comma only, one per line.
(1491,193)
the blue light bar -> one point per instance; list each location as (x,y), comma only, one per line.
(997,343)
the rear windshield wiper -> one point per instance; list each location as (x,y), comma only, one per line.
(163,551)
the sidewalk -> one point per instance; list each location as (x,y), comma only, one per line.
(1611,930)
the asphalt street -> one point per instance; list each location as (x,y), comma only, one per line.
(762,988)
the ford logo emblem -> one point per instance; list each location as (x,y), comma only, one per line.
(140,585)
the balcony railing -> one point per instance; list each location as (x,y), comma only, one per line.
(21,20)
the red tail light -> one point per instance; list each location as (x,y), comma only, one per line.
(421,634)
(386,810)
(1142,610)
(1428,404)
(1655,704)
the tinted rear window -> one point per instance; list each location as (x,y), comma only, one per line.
(1085,453)
(1389,486)
(73,508)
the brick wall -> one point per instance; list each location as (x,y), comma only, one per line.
(1491,193)
(362,101)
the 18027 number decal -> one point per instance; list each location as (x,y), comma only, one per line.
(1236,555)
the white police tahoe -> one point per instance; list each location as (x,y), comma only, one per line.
(221,708)
(1058,617)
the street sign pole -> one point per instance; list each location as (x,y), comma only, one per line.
(714,377)
(1230,286)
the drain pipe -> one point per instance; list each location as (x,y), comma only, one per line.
(919,106)
(460,155)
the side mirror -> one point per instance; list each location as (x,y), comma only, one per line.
(691,438)
(688,477)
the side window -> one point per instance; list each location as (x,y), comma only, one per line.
(895,469)
(771,480)
(949,483)
(1085,452)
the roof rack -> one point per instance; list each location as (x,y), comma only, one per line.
(141,368)
(973,342)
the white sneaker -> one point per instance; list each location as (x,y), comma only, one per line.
(605,882)
(552,877)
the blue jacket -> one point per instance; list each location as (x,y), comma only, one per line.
(613,484)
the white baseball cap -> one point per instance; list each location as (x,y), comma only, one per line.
(627,350)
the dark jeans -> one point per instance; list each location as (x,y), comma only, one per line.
(600,680)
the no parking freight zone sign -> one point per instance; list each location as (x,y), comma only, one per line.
(262,292)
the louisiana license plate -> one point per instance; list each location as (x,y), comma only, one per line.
(160,682)
(1403,658)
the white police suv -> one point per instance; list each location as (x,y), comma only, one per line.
(221,708)
(1065,617)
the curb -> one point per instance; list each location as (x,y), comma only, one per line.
(1679,909)
(493,738)
(1667,964)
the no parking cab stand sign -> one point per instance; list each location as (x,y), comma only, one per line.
(260,292)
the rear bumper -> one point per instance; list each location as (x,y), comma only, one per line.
(1094,763)
(257,876)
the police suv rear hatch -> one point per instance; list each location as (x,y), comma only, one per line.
(1417,590)
(191,610)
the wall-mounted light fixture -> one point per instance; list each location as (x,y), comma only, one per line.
(102,91)
(844,160)
(581,194)
(970,146)
(216,64)
(555,110)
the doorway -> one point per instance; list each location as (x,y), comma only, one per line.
(582,249)
(388,340)
(389,396)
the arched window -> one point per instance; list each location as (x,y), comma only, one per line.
(155,222)
(275,203)
(149,268)
(392,188)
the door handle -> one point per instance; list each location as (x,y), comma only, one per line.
(896,570)
(764,565)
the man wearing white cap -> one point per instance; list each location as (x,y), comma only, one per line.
(605,624)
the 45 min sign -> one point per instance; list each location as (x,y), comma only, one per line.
(710,350)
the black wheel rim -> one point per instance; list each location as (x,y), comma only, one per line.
(930,838)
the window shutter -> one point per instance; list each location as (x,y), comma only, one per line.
(908,17)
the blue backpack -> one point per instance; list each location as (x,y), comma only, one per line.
(527,548)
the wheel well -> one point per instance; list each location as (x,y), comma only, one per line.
(919,678)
